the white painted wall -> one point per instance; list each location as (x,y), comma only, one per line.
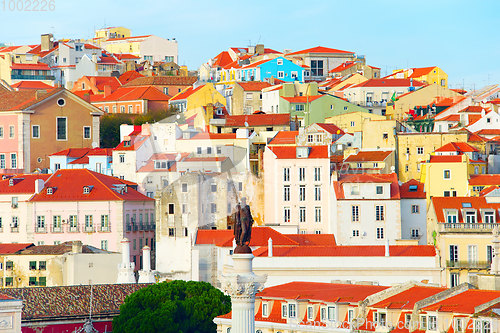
(411,220)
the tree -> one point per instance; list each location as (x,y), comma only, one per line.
(176,307)
(110,128)
(153,116)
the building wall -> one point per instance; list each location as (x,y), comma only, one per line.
(10,145)
(354,121)
(411,220)
(436,184)
(429,142)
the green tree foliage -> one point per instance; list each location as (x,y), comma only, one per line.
(173,307)
(110,128)
(154,116)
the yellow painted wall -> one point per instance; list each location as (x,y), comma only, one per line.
(344,121)
(118,30)
(124,47)
(198,100)
(429,141)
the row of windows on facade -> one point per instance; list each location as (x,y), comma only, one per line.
(61,130)
(184,208)
(231,186)
(13,161)
(302,214)
(379,212)
(302,193)
(302,174)
(472,254)
(470,214)
(33,281)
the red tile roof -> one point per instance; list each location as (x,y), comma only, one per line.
(367,178)
(213,136)
(287,152)
(204,159)
(68,185)
(313,239)
(161,81)
(136,93)
(222,59)
(22,85)
(125,56)
(318,291)
(91,47)
(464,302)
(252,120)
(284,137)
(445,159)
(460,147)
(418,72)
(369,156)
(331,128)
(129,76)
(491,179)
(451,117)
(348,251)
(254,86)
(186,93)
(488,131)
(343,67)
(37,67)
(23,184)
(473,108)
(301,99)
(136,141)
(405,193)
(407,299)
(389,83)
(318,49)
(260,237)
(10,248)
(213,236)
(72,152)
(442,203)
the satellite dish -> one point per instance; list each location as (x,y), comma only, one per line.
(178,157)
(94,144)
(400,183)
(178,116)
(51,39)
(393,168)
(246,124)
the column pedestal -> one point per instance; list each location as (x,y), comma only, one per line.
(242,285)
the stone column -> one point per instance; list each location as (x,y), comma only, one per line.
(242,285)
(126,268)
(495,261)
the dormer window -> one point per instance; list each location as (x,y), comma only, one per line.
(50,191)
(354,189)
(451,216)
(488,216)
(86,190)
(302,152)
(470,216)
(380,189)
(11,182)
(284,312)
(264,310)
(126,143)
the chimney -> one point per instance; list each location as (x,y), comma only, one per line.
(259,49)
(40,93)
(76,247)
(47,42)
(125,251)
(86,97)
(387,254)
(270,247)
(39,183)
(93,80)
(107,91)
(146,258)
(145,129)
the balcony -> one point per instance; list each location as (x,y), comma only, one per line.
(129,227)
(136,227)
(56,229)
(468,264)
(105,229)
(141,227)
(89,229)
(14,229)
(41,229)
(466,227)
(32,77)
(73,229)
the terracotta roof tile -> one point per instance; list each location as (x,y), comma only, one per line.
(254,86)
(22,85)
(418,72)
(284,137)
(348,251)
(460,147)
(161,81)
(456,203)
(367,178)
(301,99)
(313,239)
(260,237)
(318,49)
(11,248)
(136,93)
(129,76)
(487,179)
(389,83)
(342,67)
(464,302)
(412,189)
(331,128)
(369,156)
(186,93)
(287,152)
(407,299)
(22,184)
(213,236)
(258,120)
(445,159)
(36,67)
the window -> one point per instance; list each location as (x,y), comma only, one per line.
(447,174)
(302,174)
(209,150)
(446,193)
(130,108)
(12,131)
(279,61)
(286,193)
(354,189)
(317,214)
(415,209)
(302,214)
(171,232)
(56,223)
(35,131)
(310,138)
(353,123)
(213,208)
(489,253)
(184,187)
(380,233)
(198,150)
(489,217)
(9,265)
(414,234)
(458,325)
(42,265)
(62,128)
(32,265)
(385,136)
(122,109)
(331,313)
(472,253)
(171,208)
(453,253)
(1,132)
(284,307)
(240,186)
(122,158)
(317,174)
(380,190)
(317,193)
(454,279)
(433,323)
(291,310)
(2,161)
(286,214)
(379,213)
(355,233)
(104,244)
(14,202)
(213,188)
(423,321)
(286,174)
(470,217)
(40,222)
(420,150)
(184,209)
(86,132)
(281,74)
(355,214)
(15,223)
(89,223)
(406,168)
(302,193)
(104,222)
(13,161)
(149,179)
(317,67)
(264,310)
(72,223)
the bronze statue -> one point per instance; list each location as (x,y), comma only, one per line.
(243,224)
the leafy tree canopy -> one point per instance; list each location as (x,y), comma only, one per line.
(110,128)
(176,307)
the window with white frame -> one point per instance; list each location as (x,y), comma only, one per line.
(264,309)
(415,209)
(1,132)
(354,189)
(310,313)
(331,313)
(302,214)
(420,150)
(317,193)
(489,217)
(122,158)
(317,214)
(12,131)
(35,131)
(302,174)
(286,193)
(286,214)
(454,279)
(291,311)
(317,174)
(284,312)
(281,74)
(248,96)
(355,233)
(454,253)
(470,216)
(13,161)
(279,61)
(86,132)
(379,189)
(353,123)
(302,193)
(380,233)
(414,234)
(432,323)
(355,213)
(451,216)
(472,253)
(458,325)
(286,174)
(2,161)
(379,213)
(446,174)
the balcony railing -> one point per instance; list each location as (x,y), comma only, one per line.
(56,229)
(466,227)
(468,264)
(129,227)
(89,229)
(141,227)
(135,227)
(41,229)
(105,228)
(73,229)
(14,229)
(32,77)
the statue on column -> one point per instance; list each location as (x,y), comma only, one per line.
(243,221)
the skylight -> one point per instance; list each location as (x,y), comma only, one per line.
(413,188)
(466,205)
